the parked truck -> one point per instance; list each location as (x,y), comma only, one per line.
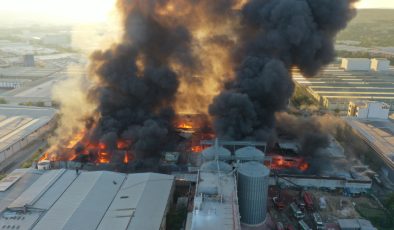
(308,199)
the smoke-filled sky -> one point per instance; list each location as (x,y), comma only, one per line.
(59,11)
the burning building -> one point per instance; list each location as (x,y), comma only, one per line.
(168,62)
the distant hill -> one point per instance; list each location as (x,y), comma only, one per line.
(372,27)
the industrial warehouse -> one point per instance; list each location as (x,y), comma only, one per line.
(354,80)
(20,126)
(66,199)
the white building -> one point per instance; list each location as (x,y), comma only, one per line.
(216,199)
(370,109)
(65,199)
(380,64)
(356,64)
(20,126)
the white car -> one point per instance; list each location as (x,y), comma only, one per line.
(44,165)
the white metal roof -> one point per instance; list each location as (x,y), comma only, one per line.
(215,211)
(61,199)
(18,122)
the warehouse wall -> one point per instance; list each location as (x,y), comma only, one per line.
(23,142)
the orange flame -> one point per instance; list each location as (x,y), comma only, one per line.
(103,158)
(77,138)
(126,158)
(304,166)
(282,162)
(197,149)
(122,144)
(185,126)
(102,146)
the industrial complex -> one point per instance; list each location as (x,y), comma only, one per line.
(354,80)
(250,158)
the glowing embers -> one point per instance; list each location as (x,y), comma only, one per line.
(81,149)
(284,162)
(197,148)
(185,126)
(103,158)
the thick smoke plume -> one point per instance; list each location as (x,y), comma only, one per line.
(174,56)
(159,66)
(275,36)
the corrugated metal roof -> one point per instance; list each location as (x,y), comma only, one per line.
(140,203)
(63,199)
(28,178)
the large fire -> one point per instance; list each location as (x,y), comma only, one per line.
(80,148)
(278,162)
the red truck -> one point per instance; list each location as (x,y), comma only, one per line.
(308,199)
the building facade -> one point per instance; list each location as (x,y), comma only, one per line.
(369,109)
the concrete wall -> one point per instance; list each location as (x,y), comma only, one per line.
(320,182)
(377,110)
(23,142)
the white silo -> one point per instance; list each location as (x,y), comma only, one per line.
(216,166)
(216,152)
(249,153)
(252,192)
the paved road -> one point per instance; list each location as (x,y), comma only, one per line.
(16,160)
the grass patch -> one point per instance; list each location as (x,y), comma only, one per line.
(3,101)
(28,163)
(2,176)
(37,104)
(379,218)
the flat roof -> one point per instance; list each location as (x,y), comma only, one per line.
(63,199)
(379,134)
(216,202)
(17,122)
(27,72)
(335,83)
(26,179)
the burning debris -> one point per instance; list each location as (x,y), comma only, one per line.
(81,149)
(174,57)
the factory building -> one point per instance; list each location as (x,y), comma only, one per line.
(20,126)
(380,65)
(28,60)
(379,135)
(230,196)
(216,198)
(369,110)
(66,199)
(334,87)
(9,83)
(356,64)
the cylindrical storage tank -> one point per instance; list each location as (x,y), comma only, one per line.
(216,166)
(249,153)
(209,154)
(252,192)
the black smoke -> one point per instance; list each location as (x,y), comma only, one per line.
(136,85)
(274,36)
(308,131)
(137,80)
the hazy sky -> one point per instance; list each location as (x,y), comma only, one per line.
(57,10)
(89,10)
(376,4)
